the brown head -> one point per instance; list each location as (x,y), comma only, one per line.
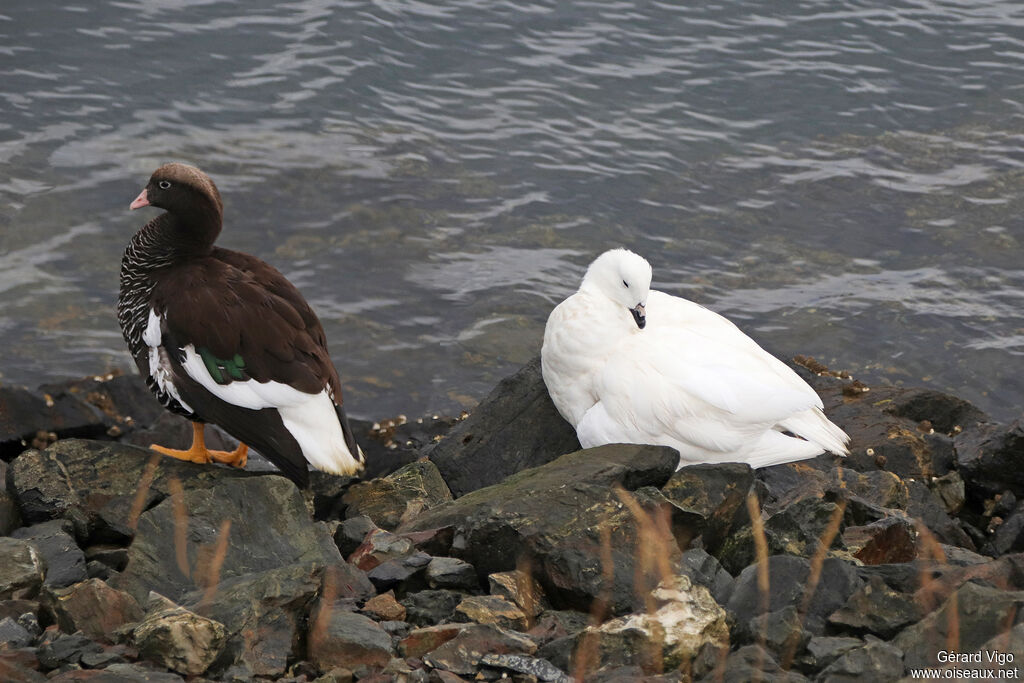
(189,197)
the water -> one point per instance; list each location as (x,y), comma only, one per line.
(844,179)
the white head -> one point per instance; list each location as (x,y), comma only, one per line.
(623,277)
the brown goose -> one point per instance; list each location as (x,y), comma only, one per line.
(222,337)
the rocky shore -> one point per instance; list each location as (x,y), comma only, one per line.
(491,547)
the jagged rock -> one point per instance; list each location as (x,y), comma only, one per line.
(951,490)
(451,572)
(521,589)
(799,528)
(58,649)
(873,661)
(751,663)
(22,569)
(491,444)
(101,486)
(889,540)
(553,514)
(1008,536)
(385,607)
(708,498)
(490,609)
(540,669)
(351,533)
(340,638)
(65,561)
(462,653)
(265,526)
(705,570)
(980,613)
(23,413)
(10,518)
(788,584)
(989,457)
(264,613)
(16,608)
(20,666)
(400,495)
(380,546)
(823,650)
(430,607)
(420,641)
(876,609)
(925,507)
(398,571)
(781,631)
(125,673)
(687,618)
(92,607)
(391,443)
(114,557)
(177,638)
(13,634)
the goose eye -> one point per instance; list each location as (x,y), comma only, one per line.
(164,184)
(625,284)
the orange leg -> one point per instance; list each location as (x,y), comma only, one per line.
(198,452)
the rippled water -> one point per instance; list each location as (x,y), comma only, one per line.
(844,179)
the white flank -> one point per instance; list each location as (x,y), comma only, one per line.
(309,418)
(159,363)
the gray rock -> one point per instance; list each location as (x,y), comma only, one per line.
(340,638)
(10,518)
(873,661)
(60,649)
(521,588)
(23,413)
(101,486)
(788,576)
(751,663)
(491,443)
(705,570)
(430,607)
(823,650)
(14,634)
(1009,536)
(541,669)
(266,524)
(398,572)
(22,569)
(552,514)
(708,498)
(980,612)
(988,458)
(781,631)
(400,495)
(351,533)
(451,572)
(889,540)
(876,609)
(490,609)
(65,561)
(461,655)
(92,607)
(178,639)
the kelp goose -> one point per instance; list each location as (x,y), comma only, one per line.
(222,337)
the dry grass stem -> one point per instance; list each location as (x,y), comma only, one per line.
(212,575)
(180,524)
(763,578)
(145,483)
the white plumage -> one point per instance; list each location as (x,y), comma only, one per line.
(627,364)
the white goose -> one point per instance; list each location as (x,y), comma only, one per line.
(627,364)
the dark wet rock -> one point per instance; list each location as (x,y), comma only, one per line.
(10,518)
(451,572)
(327,491)
(435,542)
(684,620)
(381,546)
(13,634)
(399,571)
(59,649)
(385,608)
(873,661)
(263,519)
(989,457)
(92,607)
(925,506)
(1008,536)
(540,669)
(340,638)
(945,413)
(705,570)
(16,608)
(22,569)
(799,528)
(351,533)
(887,541)
(876,609)
(708,498)
(264,613)
(178,639)
(789,583)
(979,612)
(491,444)
(23,413)
(490,609)
(115,557)
(462,653)
(65,561)
(520,588)
(102,486)
(430,607)
(129,672)
(552,514)
(823,650)
(751,663)
(400,495)
(391,443)
(951,490)
(20,666)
